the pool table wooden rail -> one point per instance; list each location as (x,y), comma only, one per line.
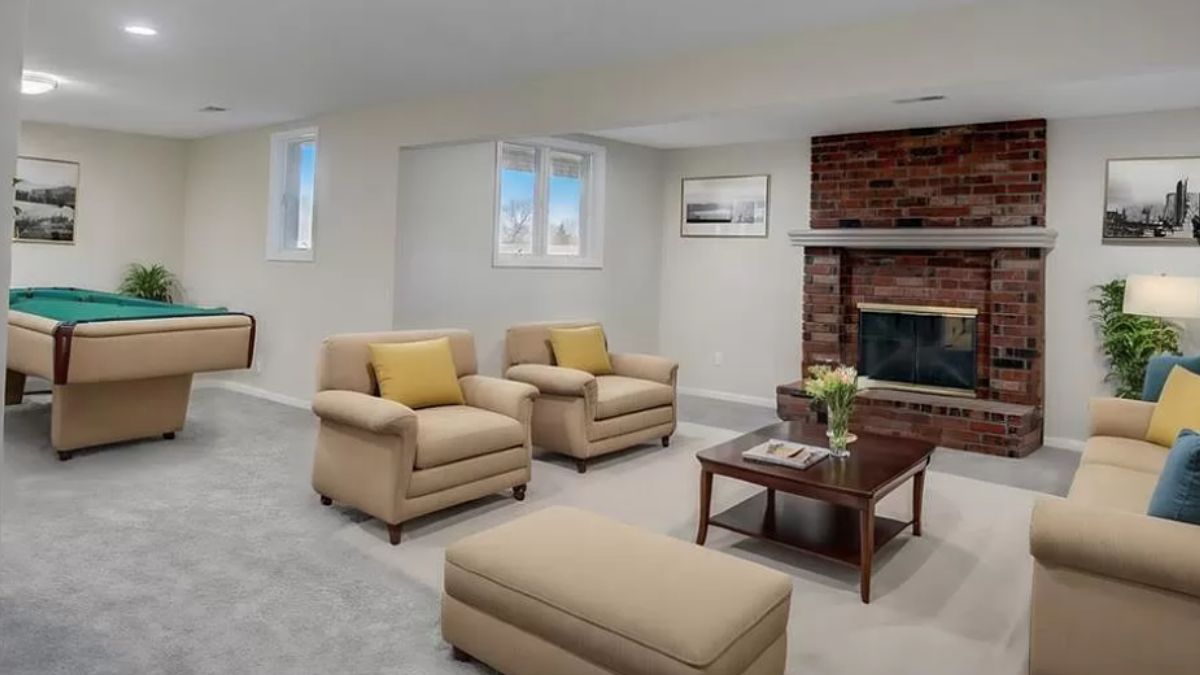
(109,351)
(120,380)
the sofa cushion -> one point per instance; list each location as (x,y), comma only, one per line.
(1177,495)
(616,595)
(1127,453)
(452,433)
(1112,487)
(617,395)
(1178,408)
(1159,368)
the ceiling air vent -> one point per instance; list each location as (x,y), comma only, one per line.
(920,99)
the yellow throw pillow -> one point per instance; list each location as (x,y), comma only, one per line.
(581,348)
(1178,408)
(417,374)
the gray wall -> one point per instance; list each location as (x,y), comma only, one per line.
(444,275)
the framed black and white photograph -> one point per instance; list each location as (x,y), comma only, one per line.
(725,206)
(1152,201)
(44,200)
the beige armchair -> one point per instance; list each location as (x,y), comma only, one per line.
(396,463)
(584,416)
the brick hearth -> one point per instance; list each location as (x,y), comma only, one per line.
(988,175)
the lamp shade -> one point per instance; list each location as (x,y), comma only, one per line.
(1162,296)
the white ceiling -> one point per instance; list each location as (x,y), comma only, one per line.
(276,60)
(1127,94)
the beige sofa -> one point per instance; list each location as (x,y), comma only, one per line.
(584,416)
(396,463)
(1115,591)
(564,591)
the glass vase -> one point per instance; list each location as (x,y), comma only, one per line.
(839,434)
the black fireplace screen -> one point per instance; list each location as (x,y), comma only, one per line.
(917,348)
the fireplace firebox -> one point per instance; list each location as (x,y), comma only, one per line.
(929,349)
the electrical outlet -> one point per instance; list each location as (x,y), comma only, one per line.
(718,359)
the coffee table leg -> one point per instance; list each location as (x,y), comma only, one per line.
(706,480)
(866,520)
(918,497)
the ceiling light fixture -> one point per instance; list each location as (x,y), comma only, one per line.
(33,84)
(141,30)
(920,99)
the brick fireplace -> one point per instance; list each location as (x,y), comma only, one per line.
(950,217)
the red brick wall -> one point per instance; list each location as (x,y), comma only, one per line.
(978,175)
(983,175)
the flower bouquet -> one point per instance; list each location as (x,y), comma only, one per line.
(835,387)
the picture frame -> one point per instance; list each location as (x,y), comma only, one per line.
(45,195)
(1152,201)
(725,206)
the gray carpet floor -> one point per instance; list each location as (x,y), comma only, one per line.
(206,554)
(211,554)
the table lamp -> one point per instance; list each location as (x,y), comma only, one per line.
(1162,296)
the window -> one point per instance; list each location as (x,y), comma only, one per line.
(293,187)
(549,204)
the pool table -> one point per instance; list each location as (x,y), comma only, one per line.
(120,367)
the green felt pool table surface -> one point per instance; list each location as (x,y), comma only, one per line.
(75,305)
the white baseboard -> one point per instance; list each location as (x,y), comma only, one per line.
(1065,443)
(726,396)
(241,388)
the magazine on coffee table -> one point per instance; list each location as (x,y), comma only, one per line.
(786,453)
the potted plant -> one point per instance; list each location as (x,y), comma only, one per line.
(836,388)
(152,282)
(1128,340)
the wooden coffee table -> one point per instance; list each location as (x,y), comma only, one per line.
(832,514)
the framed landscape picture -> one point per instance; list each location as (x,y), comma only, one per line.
(1152,201)
(725,206)
(44,200)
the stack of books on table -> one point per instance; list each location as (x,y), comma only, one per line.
(786,453)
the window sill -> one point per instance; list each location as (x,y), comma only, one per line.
(290,256)
(546,262)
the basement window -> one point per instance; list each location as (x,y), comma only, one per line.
(549,204)
(293,195)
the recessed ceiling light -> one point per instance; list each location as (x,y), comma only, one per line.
(920,99)
(141,30)
(33,84)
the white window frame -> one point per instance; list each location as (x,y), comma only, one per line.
(591,227)
(276,250)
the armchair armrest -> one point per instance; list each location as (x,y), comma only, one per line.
(371,413)
(645,367)
(1120,417)
(553,379)
(1120,544)
(506,397)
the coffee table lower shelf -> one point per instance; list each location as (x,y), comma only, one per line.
(825,530)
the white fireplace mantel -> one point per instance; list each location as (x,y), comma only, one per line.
(927,237)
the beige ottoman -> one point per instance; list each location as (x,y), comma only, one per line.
(563,591)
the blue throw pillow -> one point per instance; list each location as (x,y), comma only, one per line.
(1159,368)
(1177,495)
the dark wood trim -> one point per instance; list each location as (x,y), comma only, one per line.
(63,334)
(253,337)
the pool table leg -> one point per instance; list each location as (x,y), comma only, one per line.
(14,387)
(170,435)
